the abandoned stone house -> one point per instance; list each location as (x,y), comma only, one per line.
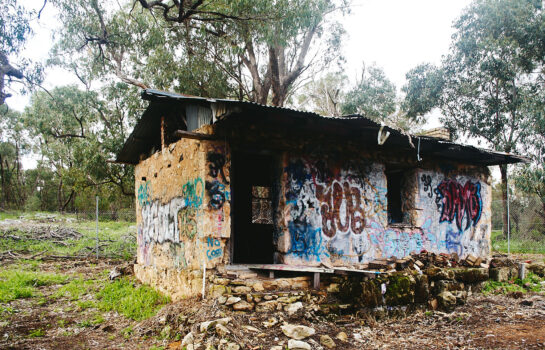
(223,183)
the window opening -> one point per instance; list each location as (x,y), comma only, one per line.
(394,181)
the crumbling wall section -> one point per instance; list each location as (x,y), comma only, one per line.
(335,211)
(183,214)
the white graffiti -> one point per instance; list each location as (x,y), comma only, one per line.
(160,221)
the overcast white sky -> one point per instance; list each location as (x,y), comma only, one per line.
(397,35)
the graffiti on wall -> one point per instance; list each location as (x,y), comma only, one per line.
(192,192)
(144,193)
(459,202)
(341,208)
(340,212)
(160,221)
(459,207)
(305,235)
(216,164)
(216,185)
(214,249)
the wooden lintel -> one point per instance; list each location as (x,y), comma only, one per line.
(193,135)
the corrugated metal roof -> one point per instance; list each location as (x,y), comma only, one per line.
(146,134)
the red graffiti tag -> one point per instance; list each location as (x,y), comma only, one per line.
(458,201)
(331,199)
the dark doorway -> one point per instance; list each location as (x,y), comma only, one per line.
(253,198)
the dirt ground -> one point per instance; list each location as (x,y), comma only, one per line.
(484,322)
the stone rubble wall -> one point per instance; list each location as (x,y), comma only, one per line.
(387,294)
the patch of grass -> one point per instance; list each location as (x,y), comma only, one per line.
(98,319)
(85,304)
(16,283)
(36,333)
(117,238)
(134,302)
(127,332)
(530,283)
(75,289)
(531,242)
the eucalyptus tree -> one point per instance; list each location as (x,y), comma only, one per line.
(325,95)
(13,146)
(76,133)
(374,95)
(253,50)
(489,83)
(14,30)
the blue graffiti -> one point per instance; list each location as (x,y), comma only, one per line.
(214,251)
(144,194)
(453,242)
(192,191)
(306,241)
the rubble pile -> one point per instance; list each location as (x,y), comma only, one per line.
(425,259)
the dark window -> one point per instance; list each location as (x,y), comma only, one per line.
(394,180)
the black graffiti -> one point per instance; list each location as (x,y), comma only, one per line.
(216,164)
(426,179)
(216,192)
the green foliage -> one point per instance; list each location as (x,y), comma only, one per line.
(532,283)
(134,302)
(36,333)
(16,283)
(373,97)
(531,242)
(422,91)
(75,289)
(486,86)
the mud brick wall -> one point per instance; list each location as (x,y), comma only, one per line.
(336,211)
(183,214)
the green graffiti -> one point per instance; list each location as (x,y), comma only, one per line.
(144,194)
(193,192)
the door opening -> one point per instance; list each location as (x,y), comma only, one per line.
(253,209)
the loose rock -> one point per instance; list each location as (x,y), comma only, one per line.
(297,332)
(298,345)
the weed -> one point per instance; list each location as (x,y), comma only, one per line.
(153,347)
(85,304)
(530,283)
(98,319)
(137,303)
(36,333)
(428,313)
(520,243)
(127,332)
(62,323)
(75,289)
(16,284)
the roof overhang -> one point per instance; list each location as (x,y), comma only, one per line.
(146,134)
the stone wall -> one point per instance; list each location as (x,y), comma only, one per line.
(335,211)
(183,214)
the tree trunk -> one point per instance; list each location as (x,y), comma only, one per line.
(3,183)
(503,171)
